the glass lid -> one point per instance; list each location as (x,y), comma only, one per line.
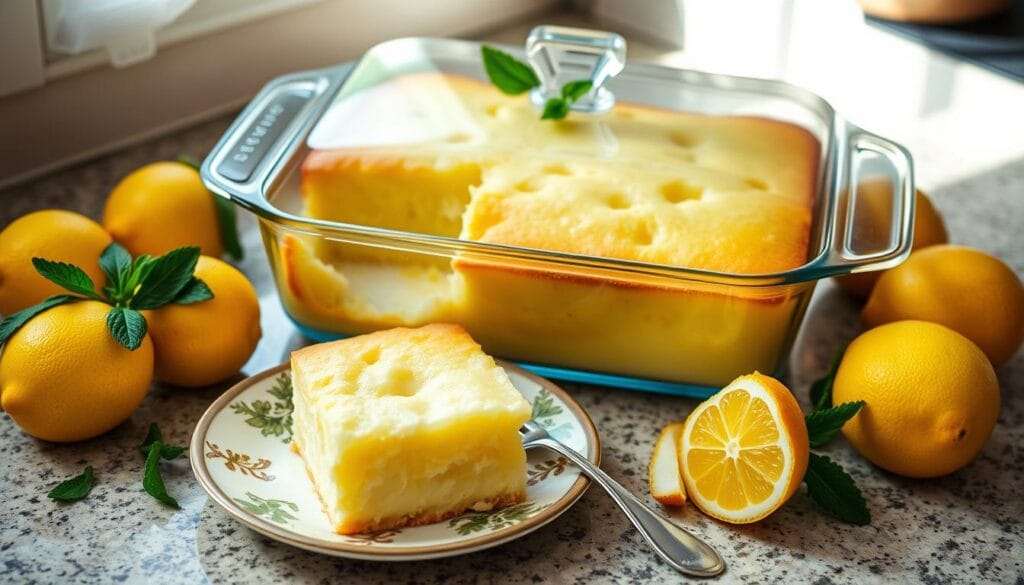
(542,149)
(566,84)
(423,93)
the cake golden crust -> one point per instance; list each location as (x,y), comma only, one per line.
(500,501)
(776,296)
(496,502)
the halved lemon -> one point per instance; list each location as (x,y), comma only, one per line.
(744,450)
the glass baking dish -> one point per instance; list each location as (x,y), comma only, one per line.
(573,316)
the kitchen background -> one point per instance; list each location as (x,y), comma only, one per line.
(75,83)
(85,99)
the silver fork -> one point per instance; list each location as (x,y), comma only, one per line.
(683,551)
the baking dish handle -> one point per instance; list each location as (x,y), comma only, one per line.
(274,123)
(841,256)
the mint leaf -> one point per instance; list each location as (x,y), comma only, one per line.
(154,435)
(168,452)
(227,220)
(823,424)
(66,276)
(821,389)
(555,109)
(507,73)
(574,90)
(128,327)
(140,269)
(14,321)
(116,263)
(121,292)
(164,277)
(558,108)
(514,77)
(152,481)
(835,491)
(73,489)
(196,291)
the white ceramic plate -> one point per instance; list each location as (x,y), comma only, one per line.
(240,454)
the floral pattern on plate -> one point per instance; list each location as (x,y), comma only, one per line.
(240,462)
(255,419)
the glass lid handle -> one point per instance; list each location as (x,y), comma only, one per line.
(561,54)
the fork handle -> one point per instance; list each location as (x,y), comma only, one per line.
(683,551)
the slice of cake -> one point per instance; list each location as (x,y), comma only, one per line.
(407,426)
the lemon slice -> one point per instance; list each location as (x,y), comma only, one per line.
(666,482)
(744,450)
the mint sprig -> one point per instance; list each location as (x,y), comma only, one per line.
(67,276)
(154,435)
(131,286)
(115,261)
(165,277)
(827,483)
(73,489)
(154,449)
(513,77)
(823,424)
(127,326)
(507,73)
(195,291)
(152,481)
(574,90)
(227,217)
(834,490)
(558,108)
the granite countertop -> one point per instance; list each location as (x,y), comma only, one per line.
(966,527)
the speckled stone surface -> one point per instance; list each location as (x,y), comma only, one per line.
(964,528)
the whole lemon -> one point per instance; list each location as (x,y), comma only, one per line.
(54,234)
(163,206)
(962,288)
(206,342)
(931,398)
(874,201)
(64,378)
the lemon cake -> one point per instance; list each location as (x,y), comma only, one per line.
(730,194)
(725,193)
(407,426)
